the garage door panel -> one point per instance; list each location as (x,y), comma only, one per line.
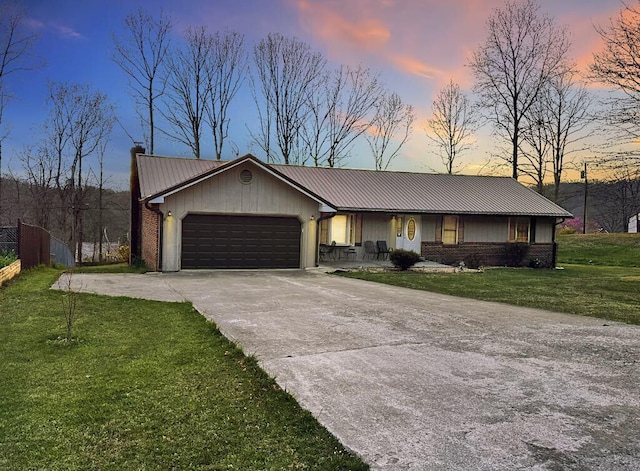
(231,241)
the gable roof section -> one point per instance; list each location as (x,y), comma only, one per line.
(159,173)
(370,190)
(365,190)
(169,173)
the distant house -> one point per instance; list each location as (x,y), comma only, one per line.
(195,214)
(633,223)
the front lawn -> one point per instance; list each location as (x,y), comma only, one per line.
(147,385)
(598,291)
(110,268)
(622,250)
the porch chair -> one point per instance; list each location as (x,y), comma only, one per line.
(383,250)
(370,250)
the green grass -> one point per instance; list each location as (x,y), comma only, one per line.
(621,250)
(147,385)
(601,278)
(606,292)
(110,268)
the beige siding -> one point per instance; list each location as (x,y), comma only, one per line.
(224,193)
(375,226)
(544,231)
(429,224)
(486,229)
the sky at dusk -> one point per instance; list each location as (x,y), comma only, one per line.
(416,46)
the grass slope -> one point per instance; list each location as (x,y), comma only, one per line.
(606,292)
(148,385)
(606,287)
(622,250)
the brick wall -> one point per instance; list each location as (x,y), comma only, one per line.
(486,254)
(150,238)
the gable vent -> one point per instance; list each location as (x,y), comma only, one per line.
(246,176)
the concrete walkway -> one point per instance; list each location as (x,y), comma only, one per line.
(423,381)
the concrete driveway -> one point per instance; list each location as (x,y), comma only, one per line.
(416,380)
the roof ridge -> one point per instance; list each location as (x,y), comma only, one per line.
(191,159)
(371,170)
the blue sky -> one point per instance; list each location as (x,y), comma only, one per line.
(415,45)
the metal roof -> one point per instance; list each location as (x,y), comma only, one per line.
(371,190)
(160,173)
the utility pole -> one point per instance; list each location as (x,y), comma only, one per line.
(586,191)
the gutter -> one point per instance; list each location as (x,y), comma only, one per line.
(553,239)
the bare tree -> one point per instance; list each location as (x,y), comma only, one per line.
(141,54)
(522,51)
(553,128)
(568,104)
(535,145)
(102,147)
(452,124)
(39,166)
(286,73)
(80,120)
(188,88)
(340,112)
(392,123)
(15,47)
(618,65)
(619,197)
(225,73)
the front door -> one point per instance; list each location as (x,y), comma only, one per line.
(408,233)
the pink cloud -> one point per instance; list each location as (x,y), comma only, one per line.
(421,44)
(337,29)
(414,66)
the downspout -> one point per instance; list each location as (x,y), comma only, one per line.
(160,232)
(554,255)
(323,217)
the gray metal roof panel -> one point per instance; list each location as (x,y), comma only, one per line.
(160,173)
(370,190)
(422,192)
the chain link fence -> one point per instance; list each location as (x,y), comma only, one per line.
(9,239)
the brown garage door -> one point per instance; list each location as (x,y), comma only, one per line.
(225,241)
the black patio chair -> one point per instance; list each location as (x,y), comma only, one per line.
(370,250)
(383,250)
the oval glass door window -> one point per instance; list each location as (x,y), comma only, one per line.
(411,229)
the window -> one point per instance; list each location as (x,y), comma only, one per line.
(411,229)
(519,229)
(450,230)
(343,229)
(340,229)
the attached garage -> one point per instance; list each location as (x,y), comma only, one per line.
(238,241)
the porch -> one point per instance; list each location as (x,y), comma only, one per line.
(378,265)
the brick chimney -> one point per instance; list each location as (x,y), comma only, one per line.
(135,229)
